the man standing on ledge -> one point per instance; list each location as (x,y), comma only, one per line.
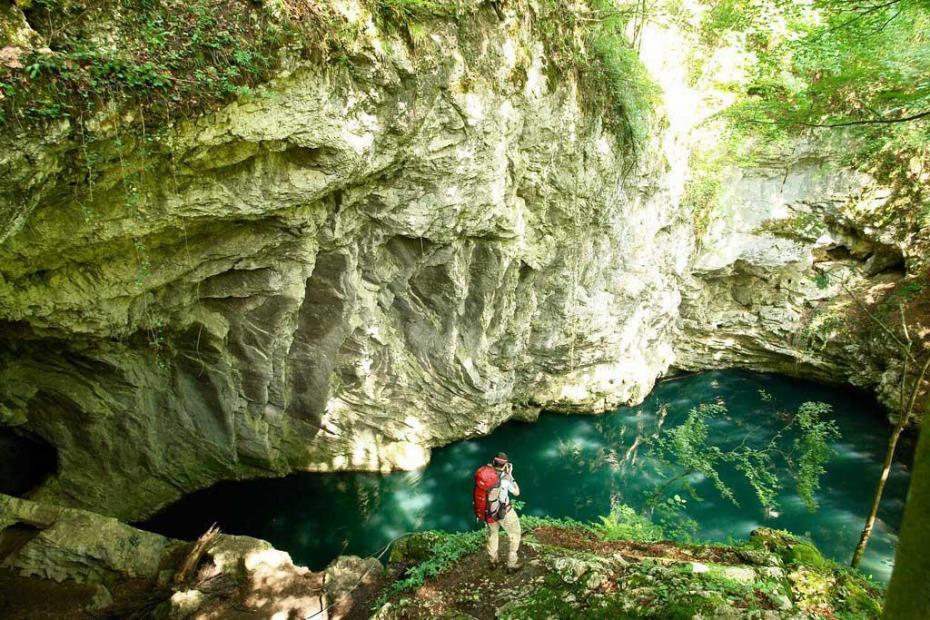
(494,484)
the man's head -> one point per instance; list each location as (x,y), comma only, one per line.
(500,460)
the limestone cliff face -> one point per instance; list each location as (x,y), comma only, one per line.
(793,255)
(358,264)
(368,259)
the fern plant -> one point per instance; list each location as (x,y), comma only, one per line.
(623,523)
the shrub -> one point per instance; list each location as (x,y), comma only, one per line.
(623,523)
(445,551)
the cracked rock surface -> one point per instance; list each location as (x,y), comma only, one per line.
(342,273)
(366,261)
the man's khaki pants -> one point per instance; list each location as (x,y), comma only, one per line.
(511,525)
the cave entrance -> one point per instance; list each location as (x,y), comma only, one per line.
(26,461)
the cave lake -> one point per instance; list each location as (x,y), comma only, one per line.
(578,466)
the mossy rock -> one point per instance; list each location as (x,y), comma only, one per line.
(807,554)
(758,557)
(843,590)
(554,600)
(785,577)
(414,547)
(771,540)
(860,601)
(787,546)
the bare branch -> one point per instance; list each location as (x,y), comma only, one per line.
(916,390)
(907,335)
(877,320)
(870,121)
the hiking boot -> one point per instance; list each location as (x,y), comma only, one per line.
(493,563)
(515,568)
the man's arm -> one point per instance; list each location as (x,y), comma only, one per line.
(514,487)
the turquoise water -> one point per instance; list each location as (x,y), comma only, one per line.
(575,466)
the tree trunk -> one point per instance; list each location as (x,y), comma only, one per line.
(886,467)
(907,593)
(879,489)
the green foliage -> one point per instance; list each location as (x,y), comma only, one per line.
(688,447)
(623,523)
(844,61)
(591,42)
(705,185)
(530,522)
(822,326)
(178,59)
(668,513)
(858,597)
(420,9)
(446,551)
(722,17)
(811,450)
(632,91)
(687,450)
(174,58)
(702,191)
(817,66)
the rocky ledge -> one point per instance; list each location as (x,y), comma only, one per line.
(794,272)
(67,563)
(576,571)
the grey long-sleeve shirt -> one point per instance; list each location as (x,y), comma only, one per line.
(509,487)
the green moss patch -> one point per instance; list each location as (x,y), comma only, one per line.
(153,62)
(162,58)
(571,571)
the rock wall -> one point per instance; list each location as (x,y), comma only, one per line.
(87,565)
(358,264)
(789,272)
(367,259)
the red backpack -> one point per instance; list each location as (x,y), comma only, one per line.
(486,497)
